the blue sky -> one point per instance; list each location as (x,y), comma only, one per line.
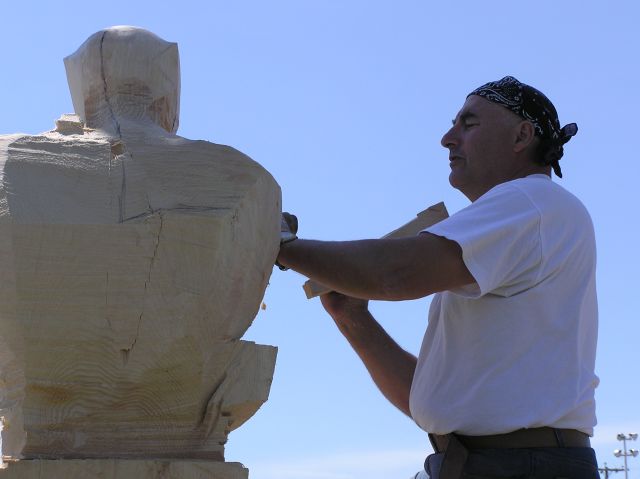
(344,102)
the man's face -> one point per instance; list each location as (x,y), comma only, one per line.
(480,144)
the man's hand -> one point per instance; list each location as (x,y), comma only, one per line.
(288,228)
(344,308)
(351,315)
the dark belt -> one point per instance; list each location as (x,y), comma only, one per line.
(522,438)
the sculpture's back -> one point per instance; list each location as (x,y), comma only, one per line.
(131,262)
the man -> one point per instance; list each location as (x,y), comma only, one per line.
(504,382)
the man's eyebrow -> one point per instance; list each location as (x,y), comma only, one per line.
(464,116)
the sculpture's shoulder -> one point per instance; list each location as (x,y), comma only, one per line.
(167,148)
(179,172)
(57,176)
(219,151)
(68,138)
(227,154)
(6,140)
(44,146)
(77,175)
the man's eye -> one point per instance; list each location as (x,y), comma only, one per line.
(468,125)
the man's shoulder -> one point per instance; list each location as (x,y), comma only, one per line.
(532,184)
(543,193)
(559,210)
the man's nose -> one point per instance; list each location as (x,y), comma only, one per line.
(449,139)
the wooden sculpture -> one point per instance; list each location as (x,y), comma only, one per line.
(131,262)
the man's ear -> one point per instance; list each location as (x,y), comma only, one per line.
(525,134)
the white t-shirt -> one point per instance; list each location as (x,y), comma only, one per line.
(517,349)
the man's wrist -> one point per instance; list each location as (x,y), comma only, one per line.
(288,230)
(285,239)
(354,316)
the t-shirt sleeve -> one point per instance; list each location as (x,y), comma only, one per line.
(500,239)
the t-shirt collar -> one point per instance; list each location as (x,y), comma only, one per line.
(539,175)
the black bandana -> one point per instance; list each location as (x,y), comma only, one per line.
(531,104)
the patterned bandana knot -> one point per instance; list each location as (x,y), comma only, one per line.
(532,105)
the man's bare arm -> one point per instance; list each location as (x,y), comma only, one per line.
(390,366)
(387,269)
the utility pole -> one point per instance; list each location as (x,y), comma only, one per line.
(607,470)
(632,452)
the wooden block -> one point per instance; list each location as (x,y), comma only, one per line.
(423,220)
(122,469)
(131,262)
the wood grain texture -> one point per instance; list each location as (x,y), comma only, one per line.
(122,469)
(423,220)
(132,261)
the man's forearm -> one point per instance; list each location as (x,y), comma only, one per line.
(354,268)
(387,269)
(390,366)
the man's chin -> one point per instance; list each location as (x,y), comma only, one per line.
(458,182)
(455,180)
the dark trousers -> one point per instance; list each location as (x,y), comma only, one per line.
(534,463)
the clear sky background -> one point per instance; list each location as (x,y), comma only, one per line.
(345,102)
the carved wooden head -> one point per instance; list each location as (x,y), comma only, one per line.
(127,72)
